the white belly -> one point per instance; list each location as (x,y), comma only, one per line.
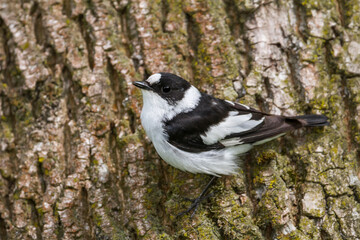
(220,162)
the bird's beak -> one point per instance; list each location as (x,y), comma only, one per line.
(143,85)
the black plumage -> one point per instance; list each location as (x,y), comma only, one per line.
(185,129)
(199,133)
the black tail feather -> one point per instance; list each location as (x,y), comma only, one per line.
(277,125)
(312,120)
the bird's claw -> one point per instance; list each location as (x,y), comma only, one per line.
(188,199)
(195,204)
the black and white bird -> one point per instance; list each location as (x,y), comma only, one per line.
(198,133)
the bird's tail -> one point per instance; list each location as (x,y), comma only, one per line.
(311,120)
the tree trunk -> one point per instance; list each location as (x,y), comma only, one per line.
(76,163)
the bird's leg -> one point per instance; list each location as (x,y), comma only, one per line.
(196,202)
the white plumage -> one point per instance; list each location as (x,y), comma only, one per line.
(214,162)
(198,133)
(231,124)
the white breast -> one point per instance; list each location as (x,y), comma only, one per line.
(156,110)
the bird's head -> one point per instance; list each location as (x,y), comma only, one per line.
(165,95)
(168,86)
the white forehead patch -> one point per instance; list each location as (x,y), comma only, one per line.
(155,78)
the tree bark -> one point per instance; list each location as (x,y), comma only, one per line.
(76,163)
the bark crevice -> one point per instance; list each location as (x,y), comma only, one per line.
(36,218)
(41,34)
(237,25)
(3,230)
(86,30)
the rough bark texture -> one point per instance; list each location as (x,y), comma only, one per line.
(74,159)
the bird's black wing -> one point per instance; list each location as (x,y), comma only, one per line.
(185,129)
(216,124)
(188,131)
(272,126)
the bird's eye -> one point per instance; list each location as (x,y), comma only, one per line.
(166,89)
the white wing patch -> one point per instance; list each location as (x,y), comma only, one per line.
(231,142)
(230,102)
(247,107)
(268,139)
(231,124)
